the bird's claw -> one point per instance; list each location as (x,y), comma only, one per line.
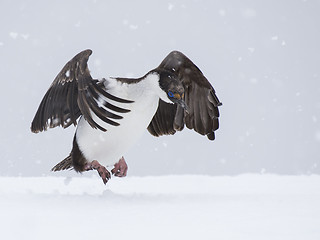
(103,172)
(120,168)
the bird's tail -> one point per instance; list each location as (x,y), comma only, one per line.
(63,165)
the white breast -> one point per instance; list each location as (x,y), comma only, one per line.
(108,147)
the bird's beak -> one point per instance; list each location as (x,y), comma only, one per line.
(183,105)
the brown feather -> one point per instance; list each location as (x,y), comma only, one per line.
(74,93)
(200,97)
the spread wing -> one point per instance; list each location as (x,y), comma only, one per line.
(74,93)
(200,97)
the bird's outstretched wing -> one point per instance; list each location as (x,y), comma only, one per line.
(74,93)
(200,97)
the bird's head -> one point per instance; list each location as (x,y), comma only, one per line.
(173,88)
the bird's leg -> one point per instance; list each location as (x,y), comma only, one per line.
(103,172)
(120,168)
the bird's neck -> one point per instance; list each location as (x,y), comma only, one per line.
(143,87)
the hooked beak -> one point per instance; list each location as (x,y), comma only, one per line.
(183,105)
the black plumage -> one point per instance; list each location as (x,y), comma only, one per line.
(202,114)
(179,95)
(74,93)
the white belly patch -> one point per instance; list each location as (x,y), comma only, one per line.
(108,147)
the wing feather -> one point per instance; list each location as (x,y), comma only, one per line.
(74,93)
(162,122)
(200,97)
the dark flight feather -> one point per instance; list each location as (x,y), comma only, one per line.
(200,97)
(74,93)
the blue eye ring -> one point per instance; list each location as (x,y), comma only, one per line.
(170,94)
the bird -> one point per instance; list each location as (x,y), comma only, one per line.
(110,114)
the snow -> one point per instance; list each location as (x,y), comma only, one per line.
(14,35)
(257,54)
(248,206)
(262,57)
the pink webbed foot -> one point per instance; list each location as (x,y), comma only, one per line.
(120,168)
(103,172)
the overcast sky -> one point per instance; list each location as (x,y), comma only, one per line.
(262,57)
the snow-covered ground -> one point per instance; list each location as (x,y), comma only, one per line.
(168,207)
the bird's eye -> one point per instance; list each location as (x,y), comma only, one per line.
(170,94)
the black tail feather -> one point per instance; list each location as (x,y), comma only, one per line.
(63,165)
